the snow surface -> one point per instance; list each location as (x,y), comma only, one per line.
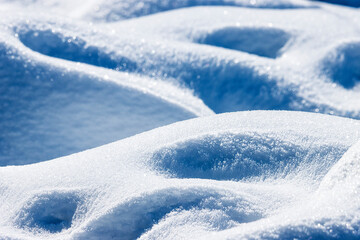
(125,190)
(77,75)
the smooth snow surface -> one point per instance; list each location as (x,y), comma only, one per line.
(76,74)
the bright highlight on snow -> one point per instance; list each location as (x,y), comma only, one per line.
(128,119)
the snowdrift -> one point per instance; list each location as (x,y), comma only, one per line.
(69,85)
(235,185)
(76,75)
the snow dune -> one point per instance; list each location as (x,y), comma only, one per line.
(134,194)
(75,76)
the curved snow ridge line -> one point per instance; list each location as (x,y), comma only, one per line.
(239,78)
(287,70)
(324,216)
(247,81)
(225,83)
(138,215)
(259,82)
(120,168)
(325,128)
(55,44)
(118,10)
(193,73)
(245,156)
(63,106)
(157,87)
(236,77)
(345,174)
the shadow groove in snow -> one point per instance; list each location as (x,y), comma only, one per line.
(132,219)
(48,112)
(242,157)
(227,86)
(264,42)
(51,212)
(342,65)
(74,49)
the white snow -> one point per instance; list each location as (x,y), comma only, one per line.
(124,190)
(76,75)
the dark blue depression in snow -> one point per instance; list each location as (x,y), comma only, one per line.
(342,65)
(75,49)
(51,212)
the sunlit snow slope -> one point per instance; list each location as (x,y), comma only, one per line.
(236,175)
(77,74)
(69,84)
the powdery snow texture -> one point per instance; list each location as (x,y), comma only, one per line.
(77,75)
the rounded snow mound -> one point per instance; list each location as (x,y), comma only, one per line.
(187,179)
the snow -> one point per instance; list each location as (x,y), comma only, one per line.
(129,119)
(132,194)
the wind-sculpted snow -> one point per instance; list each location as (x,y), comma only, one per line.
(75,75)
(131,219)
(72,48)
(50,109)
(242,157)
(131,196)
(231,61)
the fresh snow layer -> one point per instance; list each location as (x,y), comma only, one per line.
(188,180)
(79,74)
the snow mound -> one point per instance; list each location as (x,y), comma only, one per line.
(132,219)
(128,196)
(236,60)
(73,77)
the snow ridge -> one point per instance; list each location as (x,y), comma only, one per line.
(130,119)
